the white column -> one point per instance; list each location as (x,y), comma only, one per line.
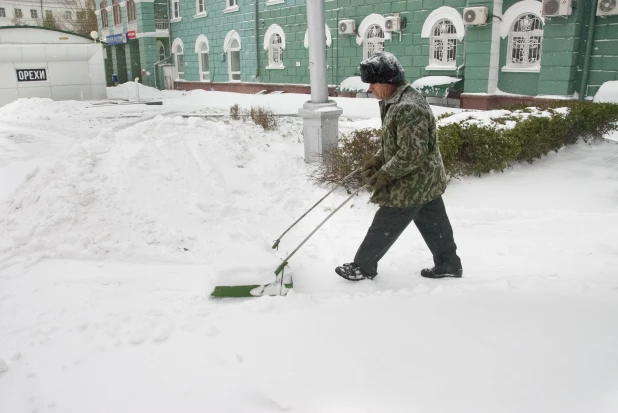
(320,115)
(494,60)
(317,51)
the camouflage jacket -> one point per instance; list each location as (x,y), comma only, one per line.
(410,154)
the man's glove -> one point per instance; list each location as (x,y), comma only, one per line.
(380,180)
(369,169)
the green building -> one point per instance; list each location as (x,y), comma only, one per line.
(503,51)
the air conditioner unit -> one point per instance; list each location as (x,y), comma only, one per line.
(557,8)
(392,24)
(475,15)
(607,8)
(347,27)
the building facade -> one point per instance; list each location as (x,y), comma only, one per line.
(36,13)
(509,50)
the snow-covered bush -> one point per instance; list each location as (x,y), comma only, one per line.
(474,143)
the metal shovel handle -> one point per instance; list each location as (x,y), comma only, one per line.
(285,261)
(276,244)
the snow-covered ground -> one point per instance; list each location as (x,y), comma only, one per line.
(117,221)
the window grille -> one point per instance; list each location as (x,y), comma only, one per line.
(443,44)
(525,40)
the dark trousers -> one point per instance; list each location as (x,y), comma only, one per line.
(389,223)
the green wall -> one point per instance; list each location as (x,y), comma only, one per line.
(561,62)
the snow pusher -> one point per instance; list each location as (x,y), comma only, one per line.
(283,282)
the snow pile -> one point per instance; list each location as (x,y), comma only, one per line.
(608,93)
(353,84)
(169,188)
(40,108)
(431,81)
(128,91)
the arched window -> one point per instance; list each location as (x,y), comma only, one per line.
(525,40)
(160,50)
(204,66)
(180,61)
(275,51)
(117,13)
(443,44)
(373,41)
(231,45)
(104,18)
(131,11)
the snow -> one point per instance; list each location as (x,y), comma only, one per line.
(432,81)
(353,84)
(608,92)
(117,221)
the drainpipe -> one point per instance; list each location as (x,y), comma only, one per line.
(257,41)
(584,84)
(43,14)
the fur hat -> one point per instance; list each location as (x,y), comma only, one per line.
(383,67)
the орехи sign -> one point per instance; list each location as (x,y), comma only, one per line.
(31,75)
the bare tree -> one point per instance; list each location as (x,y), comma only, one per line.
(79,16)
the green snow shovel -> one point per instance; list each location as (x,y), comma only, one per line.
(283,283)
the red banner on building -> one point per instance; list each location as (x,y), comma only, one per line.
(131,35)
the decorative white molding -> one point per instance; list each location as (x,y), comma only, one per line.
(368,22)
(273,2)
(177,42)
(144,1)
(274,29)
(176,20)
(200,15)
(444,13)
(516,10)
(329,39)
(201,39)
(275,67)
(513,69)
(231,9)
(123,4)
(232,34)
(161,33)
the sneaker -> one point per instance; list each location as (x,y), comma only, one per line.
(442,272)
(353,272)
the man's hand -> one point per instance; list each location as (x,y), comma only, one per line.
(369,169)
(379,180)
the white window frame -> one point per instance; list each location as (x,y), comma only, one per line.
(531,39)
(232,6)
(443,39)
(17,11)
(175,11)
(203,48)
(200,13)
(373,45)
(275,52)
(117,12)
(178,60)
(34,14)
(227,48)
(68,15)
(2,12)
(104,15)
(131,12)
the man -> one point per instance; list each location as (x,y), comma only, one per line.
(406,176)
